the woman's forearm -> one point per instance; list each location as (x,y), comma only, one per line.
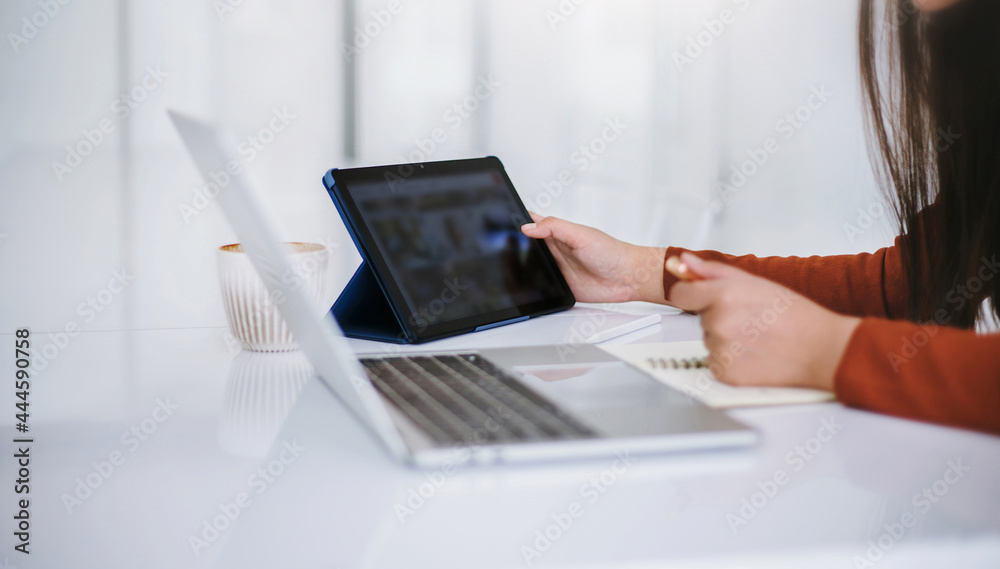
(648,274)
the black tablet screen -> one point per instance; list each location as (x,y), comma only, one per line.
(453,244)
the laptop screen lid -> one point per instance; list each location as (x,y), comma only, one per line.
(319,336)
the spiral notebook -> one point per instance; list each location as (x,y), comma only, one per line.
(682,365)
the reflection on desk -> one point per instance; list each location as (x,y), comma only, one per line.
(260,392)
(338,503)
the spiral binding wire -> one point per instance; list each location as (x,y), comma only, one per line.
(677,363)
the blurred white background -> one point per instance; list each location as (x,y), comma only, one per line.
(694,87)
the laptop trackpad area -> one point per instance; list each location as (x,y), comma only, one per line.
(614,398)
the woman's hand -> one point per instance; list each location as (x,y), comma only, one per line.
(598,267)
(761,333)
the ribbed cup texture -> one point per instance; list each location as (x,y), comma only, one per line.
(254,318)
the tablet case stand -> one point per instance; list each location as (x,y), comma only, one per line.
(363,311)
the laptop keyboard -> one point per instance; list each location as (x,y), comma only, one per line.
(465,398)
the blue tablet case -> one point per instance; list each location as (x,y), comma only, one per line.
(363,311)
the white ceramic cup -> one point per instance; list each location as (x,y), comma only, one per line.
(253,314)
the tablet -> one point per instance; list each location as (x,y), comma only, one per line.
(443,242)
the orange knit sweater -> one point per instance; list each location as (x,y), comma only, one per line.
(928,372)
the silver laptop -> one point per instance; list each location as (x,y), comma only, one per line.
(432,409)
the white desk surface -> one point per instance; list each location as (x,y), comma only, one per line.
(336,503)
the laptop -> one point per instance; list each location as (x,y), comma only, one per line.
(438,409)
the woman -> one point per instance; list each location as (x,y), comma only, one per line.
(892,331)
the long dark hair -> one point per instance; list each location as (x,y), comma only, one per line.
(931,84)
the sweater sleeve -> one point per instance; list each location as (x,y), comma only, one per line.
(926,372)
(869,284)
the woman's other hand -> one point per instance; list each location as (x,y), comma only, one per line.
(759,332)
